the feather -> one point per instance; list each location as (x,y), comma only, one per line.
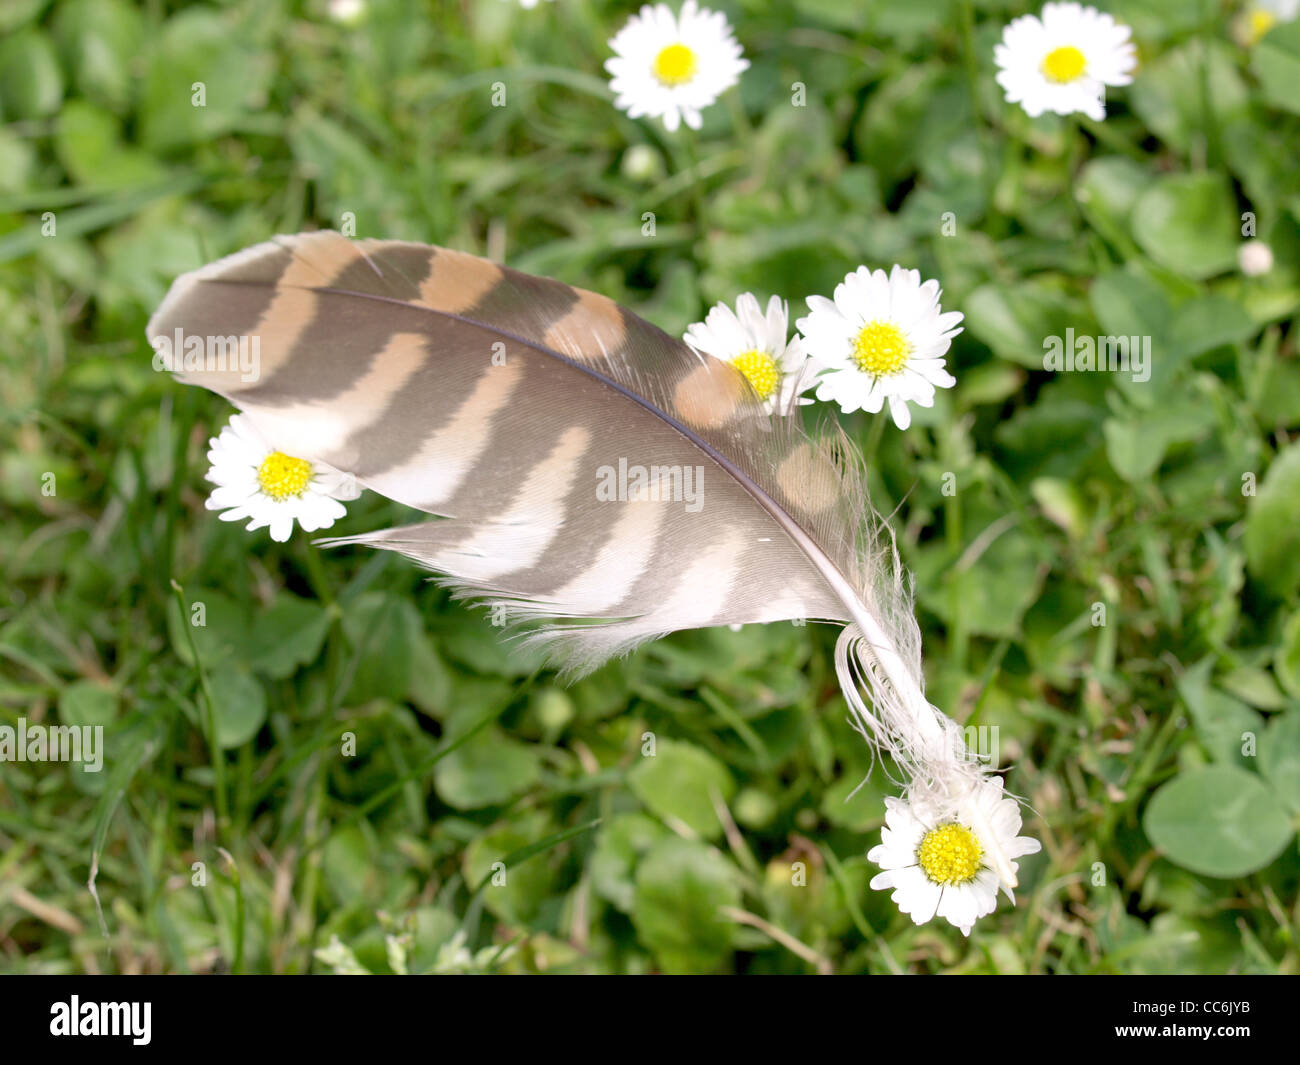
(513,408)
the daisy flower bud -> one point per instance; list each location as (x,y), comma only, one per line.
(270,487)
(882,338)
(671,67)
(642,163)
(1255,258)
(1063,61)
(759,346)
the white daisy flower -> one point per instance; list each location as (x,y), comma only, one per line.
(671,67)
(1262,16)
(257,482)
(760,347)
(941,866)
(1064,61)
(881,338)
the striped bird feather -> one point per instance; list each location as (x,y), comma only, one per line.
(498,402)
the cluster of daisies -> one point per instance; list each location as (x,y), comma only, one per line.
(881,338)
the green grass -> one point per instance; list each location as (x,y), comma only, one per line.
(348,753)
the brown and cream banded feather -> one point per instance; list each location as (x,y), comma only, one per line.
(500,402)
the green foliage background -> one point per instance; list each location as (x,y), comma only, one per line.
(1160,751)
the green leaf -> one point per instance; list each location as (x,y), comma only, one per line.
(1156,19)
(1136,443)
(517,894)
(1014,320)
(433,683)
(87,702)
(381,628)
(1107,189)
(1188,223)
(1220,720)
(1204,324)
(990,382)
(346,172)
(1221,821)
(1169,96)
(287,636)
(619,848)
(88,141)
(855,799)
(1129,303)
(1055,436)
(136,746)
(830,12)
(1276,62)
(216,623)
(205,75)
(98,41)
(1063,503)
(469,637)
(489,770)
(680,887)
(679,781)
(15,13)
(1279,757)
(348,865)
(1286,660)
(886,132)
(17,158)
(238,705)
(31,84)
(992,593)
(1254,686)
(1271,523)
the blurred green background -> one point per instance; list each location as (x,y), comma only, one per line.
(1108,572)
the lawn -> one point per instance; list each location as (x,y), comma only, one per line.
(317,760)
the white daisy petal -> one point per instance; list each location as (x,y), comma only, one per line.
(899,410)
(281,528)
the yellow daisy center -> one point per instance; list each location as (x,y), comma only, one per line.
(760,370)
(881,349)
(1259,22)
(950,854)
(675,64)
(283,476)
(1064,64)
